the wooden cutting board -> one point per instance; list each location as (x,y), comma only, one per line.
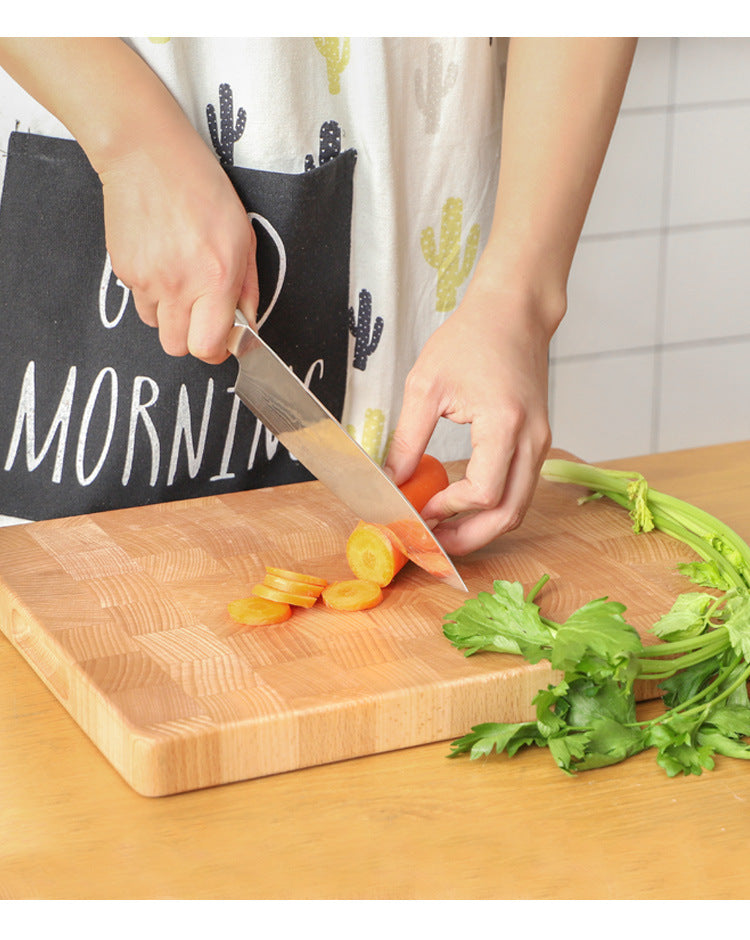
(123,616)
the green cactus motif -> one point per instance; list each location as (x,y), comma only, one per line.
(432,86)
(451,271)
(372,435)
(337,59)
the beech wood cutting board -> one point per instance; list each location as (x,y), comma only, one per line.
(123,616)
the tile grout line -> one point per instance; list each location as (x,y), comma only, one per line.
(674,346)
(678,229)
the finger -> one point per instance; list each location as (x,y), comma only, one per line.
(414,428)
(145,307)
(460,535)
(250,292)
(211,320)
(173,322)
(484,481)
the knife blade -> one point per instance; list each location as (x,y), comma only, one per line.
(308,430)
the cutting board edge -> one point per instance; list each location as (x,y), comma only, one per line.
(146,757)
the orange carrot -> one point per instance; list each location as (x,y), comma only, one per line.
(352,595)
(283,597)
(296,576)
(377,553)
(372,554)
(289,586)
(258,612)
(429,478)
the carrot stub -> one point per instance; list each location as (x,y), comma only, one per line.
(429,478)
(258,611)
(352,595)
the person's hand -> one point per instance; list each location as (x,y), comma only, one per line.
(180,239)
(487,366)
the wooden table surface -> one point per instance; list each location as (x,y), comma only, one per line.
(402,825)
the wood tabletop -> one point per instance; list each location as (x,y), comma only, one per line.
(401,825)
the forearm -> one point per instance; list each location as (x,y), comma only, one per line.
(193,265)
(100,89)
(562,100)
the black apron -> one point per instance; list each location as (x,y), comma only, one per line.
(93,414)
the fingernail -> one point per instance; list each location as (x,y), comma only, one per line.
(431,523)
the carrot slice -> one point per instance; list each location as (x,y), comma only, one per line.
(283,597)
(288,586)
(296,576)
(372,555)
(352,595)
(429,478)
(258,611)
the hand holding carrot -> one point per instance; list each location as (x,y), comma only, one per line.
(485,366)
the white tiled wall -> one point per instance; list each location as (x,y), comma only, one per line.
(654,353)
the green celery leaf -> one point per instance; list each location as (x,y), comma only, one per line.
(485,738)
(686,759)
(552,707)
(500,622)
(723,744)
(591,702)
(705,574)
(609,743)
(594,640)
(568,749)
(678,748)
(688,617)
(738,624)
(689,681)
(729,720)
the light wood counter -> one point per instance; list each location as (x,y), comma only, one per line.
(408,824)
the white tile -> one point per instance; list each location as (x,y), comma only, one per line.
(709,178)
(703,395)
(707,284)
(628,195)
(601,407)
(648,83)
(712,69)
(612,296)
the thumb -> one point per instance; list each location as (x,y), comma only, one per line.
(250,292)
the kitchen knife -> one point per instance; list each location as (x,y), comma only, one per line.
(313,436)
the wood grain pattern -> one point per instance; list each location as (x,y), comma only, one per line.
(123,616)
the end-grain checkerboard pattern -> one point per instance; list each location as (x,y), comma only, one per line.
(123,615)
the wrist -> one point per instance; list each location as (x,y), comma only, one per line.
(522,284)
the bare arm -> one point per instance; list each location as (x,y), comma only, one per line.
(177,233)
(487,364)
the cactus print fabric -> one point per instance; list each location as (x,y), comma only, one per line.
(368,167)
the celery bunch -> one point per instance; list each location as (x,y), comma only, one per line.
(702,663)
